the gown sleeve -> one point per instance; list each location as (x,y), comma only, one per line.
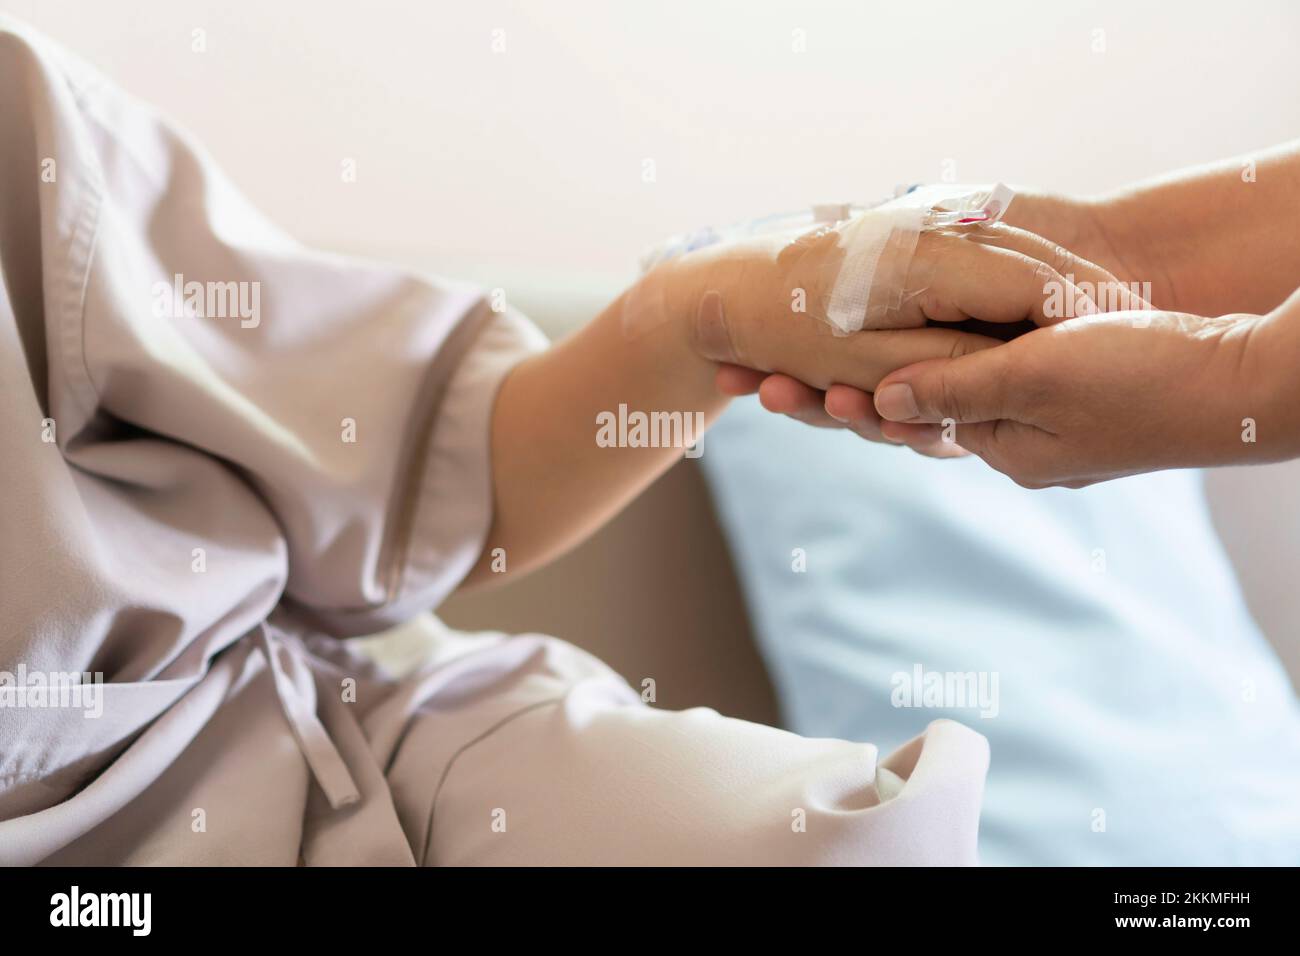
(353,398)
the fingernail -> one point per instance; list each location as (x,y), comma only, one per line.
(897,403)
(842,421)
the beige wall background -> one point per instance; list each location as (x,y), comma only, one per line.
(508,141)
(533,157)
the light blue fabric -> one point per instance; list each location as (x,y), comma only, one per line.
(1132,680)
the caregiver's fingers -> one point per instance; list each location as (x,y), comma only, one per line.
(978,387)
(846,404)
(849,408)
(854,408)
(841,406)
(735,380)
(933,441)
(788,396)
(957,279)
(862,359)
(784,395)
(1090,280)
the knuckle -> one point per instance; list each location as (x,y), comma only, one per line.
(1057,256)
(1044,276)
(950,400)
(993,233)
(930,303)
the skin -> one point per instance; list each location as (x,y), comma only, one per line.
(553,485)
(1098,397)
(1075,401)
(1060,224)
(1118,394)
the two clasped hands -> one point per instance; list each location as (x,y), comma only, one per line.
(1147,330)
(1175,347)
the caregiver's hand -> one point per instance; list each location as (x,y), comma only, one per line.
(1109,395)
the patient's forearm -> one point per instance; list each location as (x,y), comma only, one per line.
(760,304)
(1217,239)
(553,484)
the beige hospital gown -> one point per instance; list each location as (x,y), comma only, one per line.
(183,512)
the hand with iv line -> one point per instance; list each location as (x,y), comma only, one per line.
(944,263)
(1093,399)
(790,303)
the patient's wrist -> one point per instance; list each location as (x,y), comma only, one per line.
(1274,343)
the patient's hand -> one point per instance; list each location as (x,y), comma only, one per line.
(998,274)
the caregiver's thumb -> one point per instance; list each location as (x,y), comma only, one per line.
(971,388)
